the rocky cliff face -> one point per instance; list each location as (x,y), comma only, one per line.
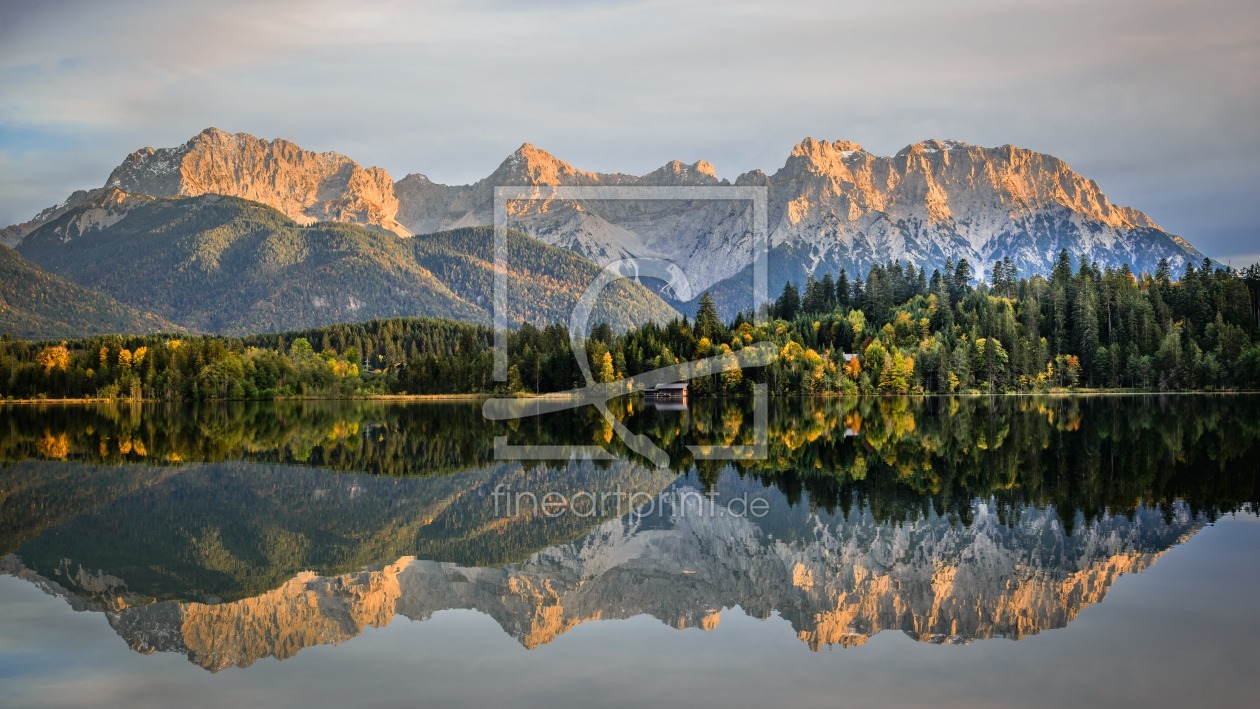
(837,580)
(305,186)
(940,199)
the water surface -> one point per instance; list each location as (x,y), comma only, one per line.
(883,551)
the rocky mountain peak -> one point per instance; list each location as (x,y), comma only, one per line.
(699,167)
(676,172)
(824,158)
(529,165)
(417,179)
(811,147)
(753,178)
(932,146)
(306,186)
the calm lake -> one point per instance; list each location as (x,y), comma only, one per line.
(868,552)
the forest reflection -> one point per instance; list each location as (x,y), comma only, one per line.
(900,457)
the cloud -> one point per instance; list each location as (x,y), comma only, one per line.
(1155,99)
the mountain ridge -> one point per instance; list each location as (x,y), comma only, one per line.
(832,206)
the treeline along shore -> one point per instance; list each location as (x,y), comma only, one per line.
(1086,328)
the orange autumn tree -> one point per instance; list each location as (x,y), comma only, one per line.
(55,357)
(852,368)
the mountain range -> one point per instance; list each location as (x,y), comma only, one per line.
(232,233)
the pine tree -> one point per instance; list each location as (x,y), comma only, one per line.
(961,281)
(828,293)
(708,324)
(789,302)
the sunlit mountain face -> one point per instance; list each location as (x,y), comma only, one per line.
(284,238)
(235,533)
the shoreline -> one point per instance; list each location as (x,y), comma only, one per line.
(376,397)
(473,398)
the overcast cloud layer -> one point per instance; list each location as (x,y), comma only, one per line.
(1158,100)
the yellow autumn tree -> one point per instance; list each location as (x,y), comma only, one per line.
(791,352)
(55,357)
(897,373)
(732,375)
(857,322)
(605,373)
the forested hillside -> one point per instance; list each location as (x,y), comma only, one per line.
(221,264)
(34,303)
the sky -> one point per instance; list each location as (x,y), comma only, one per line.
(1157,100)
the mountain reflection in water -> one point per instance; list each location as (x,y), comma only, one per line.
(231,534)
